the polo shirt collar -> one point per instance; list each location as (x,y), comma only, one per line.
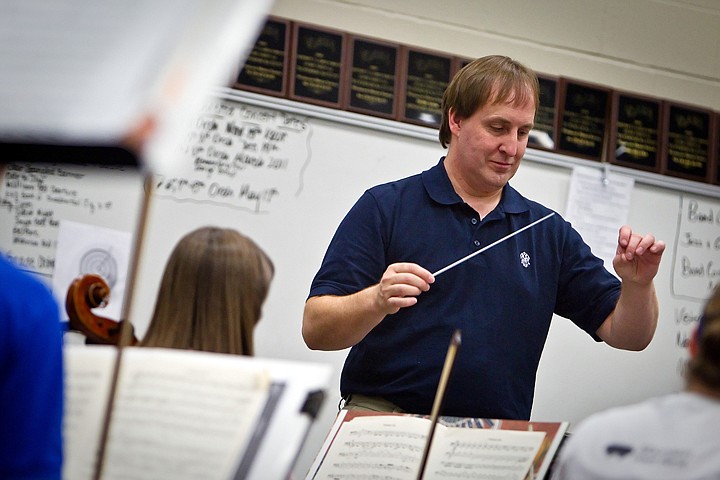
(438,186)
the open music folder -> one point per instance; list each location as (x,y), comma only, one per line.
(391,444)
(78,75)
(184,415)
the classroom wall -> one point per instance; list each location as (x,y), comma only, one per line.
(291,198)
(664,48)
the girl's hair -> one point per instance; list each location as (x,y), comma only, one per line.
(211,294)
(488,80)
(704,367)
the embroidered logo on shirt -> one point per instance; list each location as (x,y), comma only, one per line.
(525,259)
(669,457)
(619,450)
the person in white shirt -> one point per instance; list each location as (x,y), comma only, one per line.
(676,436)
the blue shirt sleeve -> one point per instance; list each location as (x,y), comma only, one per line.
(31,378)
(355,258)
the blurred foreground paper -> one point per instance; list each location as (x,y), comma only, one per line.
(84,72)
(186,415)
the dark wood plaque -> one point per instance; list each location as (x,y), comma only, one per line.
(716,168)
(374,77)
(459,63)
(426,74)
(688,134)
(266,68)
(635,131)
(583,118)
(544,133)
(317,65)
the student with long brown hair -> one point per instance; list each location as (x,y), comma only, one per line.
(211,294)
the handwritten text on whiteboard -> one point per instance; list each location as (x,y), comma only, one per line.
(696,267)
(242,156)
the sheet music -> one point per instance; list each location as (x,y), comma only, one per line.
(482,453)
(88,372)
(290,424)
(390,447)
(167,396)
(182,415)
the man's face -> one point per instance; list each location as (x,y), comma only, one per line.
(490,144)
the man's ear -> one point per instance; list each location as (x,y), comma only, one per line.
(454,121)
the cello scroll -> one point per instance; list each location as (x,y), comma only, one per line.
(85,293)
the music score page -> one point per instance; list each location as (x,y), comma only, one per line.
(391,447)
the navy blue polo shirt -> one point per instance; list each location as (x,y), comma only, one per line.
(502,299)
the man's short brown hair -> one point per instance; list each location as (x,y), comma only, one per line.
(491,79)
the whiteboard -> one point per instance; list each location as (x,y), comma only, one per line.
(286,173)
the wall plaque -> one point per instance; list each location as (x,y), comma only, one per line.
(426,74)
(459,63)
(374,77)
(317,65)
(266,68)
(688,134)
(544,132)
(716,167)
(635,131)
(583,117)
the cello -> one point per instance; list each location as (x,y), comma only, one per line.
(85,293)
